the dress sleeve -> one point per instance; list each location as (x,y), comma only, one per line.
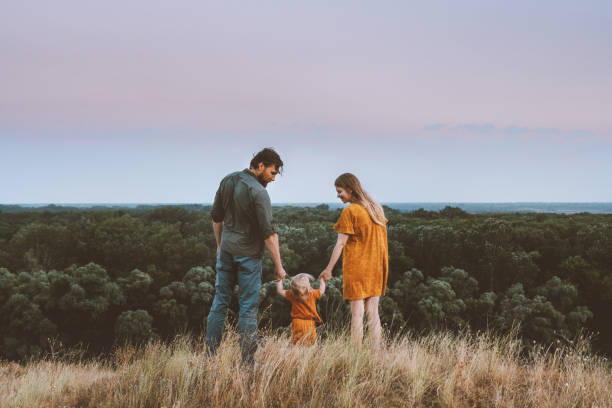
(317,294)
(345,224)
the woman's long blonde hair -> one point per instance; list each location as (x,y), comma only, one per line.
(360,196)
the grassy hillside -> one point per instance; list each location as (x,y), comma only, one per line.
(440,370)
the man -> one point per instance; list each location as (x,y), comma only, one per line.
(242,223)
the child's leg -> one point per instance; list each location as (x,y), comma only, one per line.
(295,331)
(357,321)
(303,331)
(312,334)
(371,307)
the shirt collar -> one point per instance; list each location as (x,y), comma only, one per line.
(247,171)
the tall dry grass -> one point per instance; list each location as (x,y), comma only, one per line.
(440,370)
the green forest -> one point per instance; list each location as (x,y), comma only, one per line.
(99,278)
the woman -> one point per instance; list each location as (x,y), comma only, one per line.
(362,234)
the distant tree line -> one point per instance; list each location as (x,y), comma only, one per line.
(102,277)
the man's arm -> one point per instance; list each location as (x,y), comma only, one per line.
(272,245)
(263,212)
(218,230)
(218,214)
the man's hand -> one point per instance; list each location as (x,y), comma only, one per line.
(326,274)
(280,273)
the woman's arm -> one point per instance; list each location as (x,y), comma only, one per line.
(279,288)
(322,285)
(340,243)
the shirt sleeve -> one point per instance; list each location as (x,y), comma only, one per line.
(345,224)
(218,212)
(263,211)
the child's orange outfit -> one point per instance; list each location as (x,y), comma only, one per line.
(304,316)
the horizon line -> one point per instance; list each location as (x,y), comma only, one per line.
(308,202)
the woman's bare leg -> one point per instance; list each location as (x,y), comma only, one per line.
(371,309)
(357,321)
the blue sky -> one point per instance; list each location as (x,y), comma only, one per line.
(432,101)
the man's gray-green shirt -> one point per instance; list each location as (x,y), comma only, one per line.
(243,204)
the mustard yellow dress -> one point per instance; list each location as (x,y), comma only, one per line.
(365,258)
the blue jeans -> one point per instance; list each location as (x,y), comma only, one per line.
(245,271)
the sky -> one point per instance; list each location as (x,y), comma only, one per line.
(436,101)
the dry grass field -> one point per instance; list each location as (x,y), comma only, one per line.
(440,370)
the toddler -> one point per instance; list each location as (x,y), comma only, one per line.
(303,308)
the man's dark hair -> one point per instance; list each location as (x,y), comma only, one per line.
(268,157)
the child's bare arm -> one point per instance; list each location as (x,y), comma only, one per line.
(322,285)
(279,288)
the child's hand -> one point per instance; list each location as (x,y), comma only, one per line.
(279,287)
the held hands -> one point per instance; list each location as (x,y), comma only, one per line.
(326,274)
(280,274)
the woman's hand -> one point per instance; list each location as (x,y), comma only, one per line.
(326,274)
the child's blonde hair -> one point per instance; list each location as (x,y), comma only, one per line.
(300,285)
